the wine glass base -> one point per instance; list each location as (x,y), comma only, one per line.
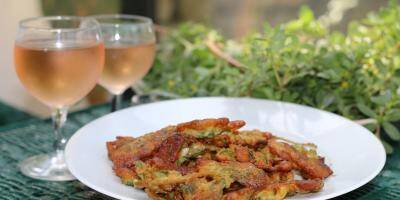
(49,167)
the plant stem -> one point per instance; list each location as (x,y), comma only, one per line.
(219,53)
(366,121)
(278,79)
(378,131)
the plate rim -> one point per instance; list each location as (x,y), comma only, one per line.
(78,133)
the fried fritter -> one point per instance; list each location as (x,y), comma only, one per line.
(251,138)
(275,191)
(229,171)
(278,191)
(202,189)
(313,168)
(168,152)
(124,154)
(241,194)
(209,128)
(212,159)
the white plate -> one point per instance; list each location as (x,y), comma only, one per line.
(353,153)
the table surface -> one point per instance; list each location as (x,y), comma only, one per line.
(10,115)
(23,138)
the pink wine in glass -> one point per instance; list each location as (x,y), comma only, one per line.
(125,64)
(59,60)
(58,76)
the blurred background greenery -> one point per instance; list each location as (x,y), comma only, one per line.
(232,18)
(79,7)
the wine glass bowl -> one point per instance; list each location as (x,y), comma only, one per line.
(58,60)
(130,49)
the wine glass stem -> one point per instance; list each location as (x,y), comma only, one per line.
(59,117)
(116,102)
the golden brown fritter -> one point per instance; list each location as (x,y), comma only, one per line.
(209,128)
(241,194)
(201,188)
(123,153)
(275,191)
(313,168)
(229,171)
(212,159)
(278,191)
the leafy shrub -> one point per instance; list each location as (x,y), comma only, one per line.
(356,74)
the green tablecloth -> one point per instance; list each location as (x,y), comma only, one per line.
(23,139)
(11,115)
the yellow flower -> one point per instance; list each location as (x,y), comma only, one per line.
(194,88)
(344,84)
(171,83)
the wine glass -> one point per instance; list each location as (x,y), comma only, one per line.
(59,60)
(130,50)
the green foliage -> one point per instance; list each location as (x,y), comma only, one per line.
(354,74)
(79,7)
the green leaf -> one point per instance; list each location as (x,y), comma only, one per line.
(382,99)
(328,100)
(371,127)
(393,116)
(306,14)
(391,131)
(366,110)
(388,147)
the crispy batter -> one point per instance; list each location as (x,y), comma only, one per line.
(281,166)
(225,154)
(277,177)
(220,123)
(168,152)
(121,140)
(251,138)
(124,154)
(212,159)
(276,191)
(313,168)
(281,190)
(228,172)
(241,194)
(202,189)
(242,154)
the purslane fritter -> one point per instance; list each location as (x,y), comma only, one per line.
(212,159)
